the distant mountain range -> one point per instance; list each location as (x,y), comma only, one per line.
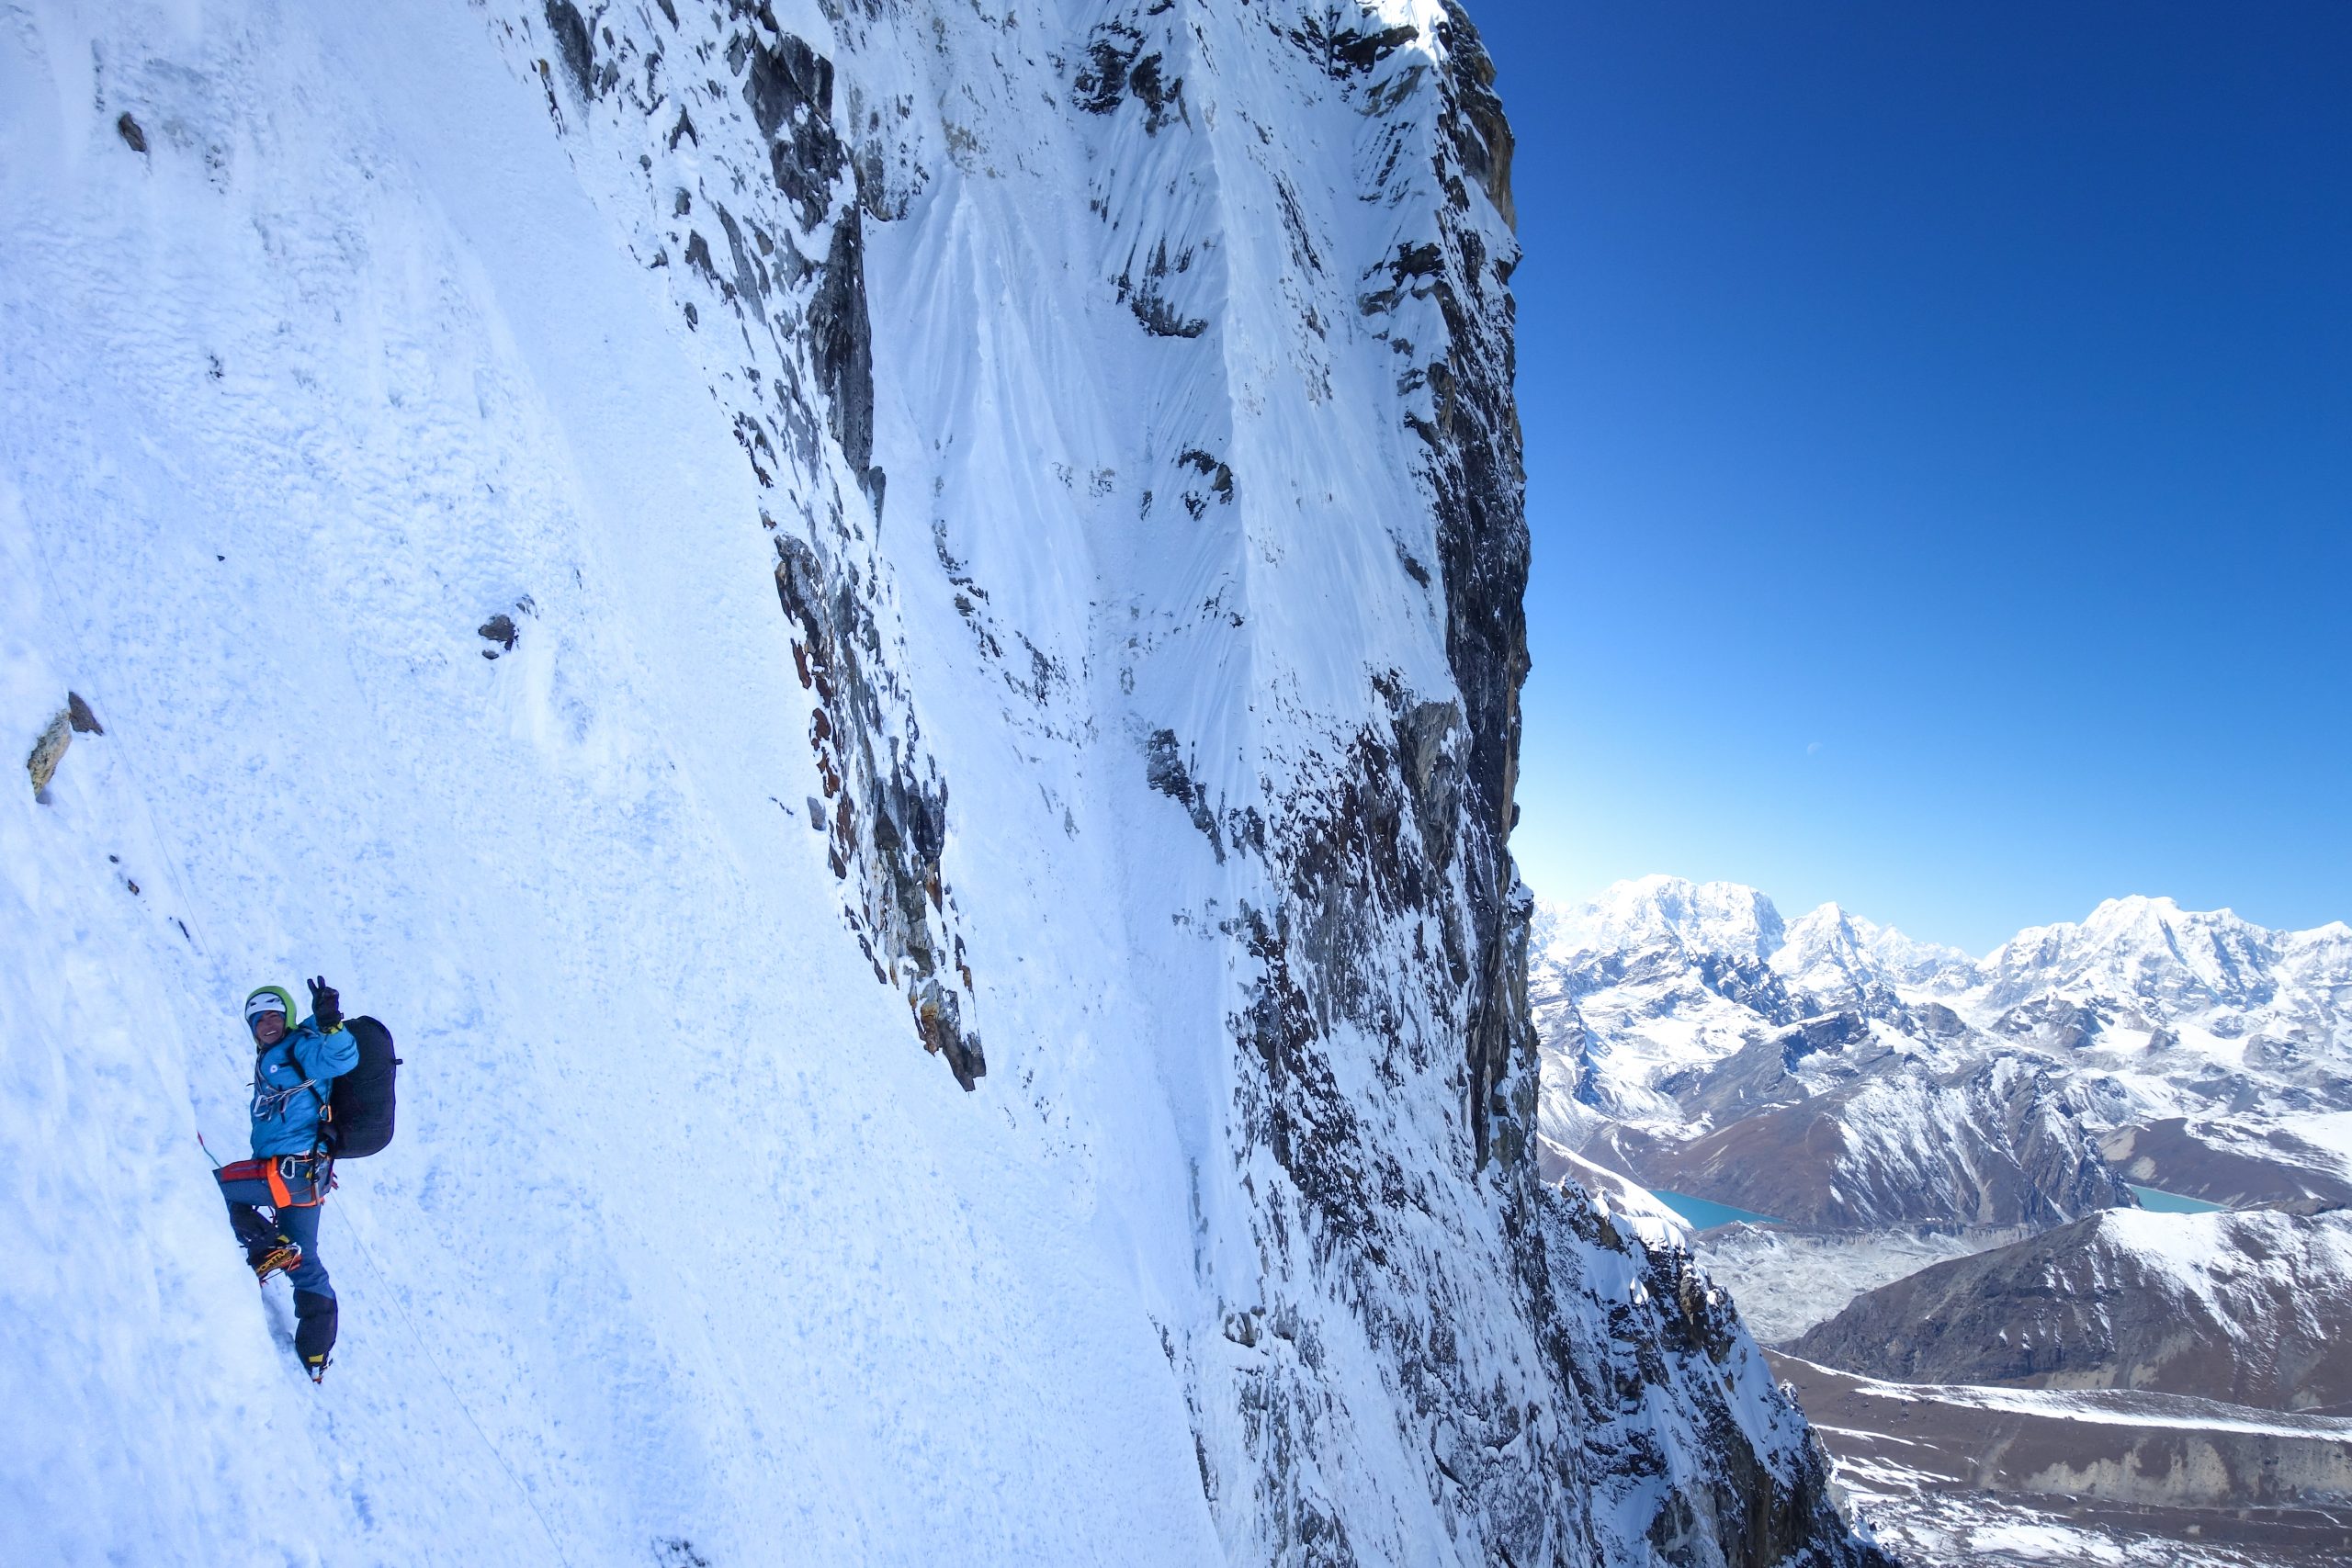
(1829,1072)
(1998,1344)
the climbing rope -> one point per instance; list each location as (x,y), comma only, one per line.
(352,1225)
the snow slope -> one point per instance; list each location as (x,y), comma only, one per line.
(675,1211)
(1010,527)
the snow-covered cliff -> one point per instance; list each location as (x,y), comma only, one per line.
(696,557)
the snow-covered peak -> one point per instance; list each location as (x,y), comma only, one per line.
(1826,944)
(2319,957)
(2147,950)
(1672,911)
(1830,950)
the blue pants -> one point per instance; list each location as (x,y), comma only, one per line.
(300,1226)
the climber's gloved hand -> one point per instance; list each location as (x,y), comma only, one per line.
(325,1006)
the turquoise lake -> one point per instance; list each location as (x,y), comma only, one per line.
(1703,1212)
(2157,1202)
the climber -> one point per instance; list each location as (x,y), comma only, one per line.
(291,1171)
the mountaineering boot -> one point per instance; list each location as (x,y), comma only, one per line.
(251,1229)
(314,1323)
(275,1256)
(266,1251)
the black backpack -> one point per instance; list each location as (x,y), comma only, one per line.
(360,1107)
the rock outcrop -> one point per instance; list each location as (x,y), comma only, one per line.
(49,748)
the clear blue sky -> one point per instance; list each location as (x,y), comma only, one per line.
(1939,452)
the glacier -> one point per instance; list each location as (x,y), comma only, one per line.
(888,637)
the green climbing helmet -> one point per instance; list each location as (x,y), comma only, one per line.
(258,1003)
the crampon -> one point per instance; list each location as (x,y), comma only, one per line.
(279,1256)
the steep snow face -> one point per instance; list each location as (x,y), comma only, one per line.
(950,928)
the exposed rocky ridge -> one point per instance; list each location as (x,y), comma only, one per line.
(1959,1476)
(2252,1309)
(2243,1161)
(1476,484)
(1994,1144)
(723,128)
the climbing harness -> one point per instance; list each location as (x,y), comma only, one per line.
(295,1182)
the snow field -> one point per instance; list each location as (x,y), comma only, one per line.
(683,1238)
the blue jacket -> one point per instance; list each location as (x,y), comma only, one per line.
(287,1123)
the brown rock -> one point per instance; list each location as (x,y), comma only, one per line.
(48,751)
